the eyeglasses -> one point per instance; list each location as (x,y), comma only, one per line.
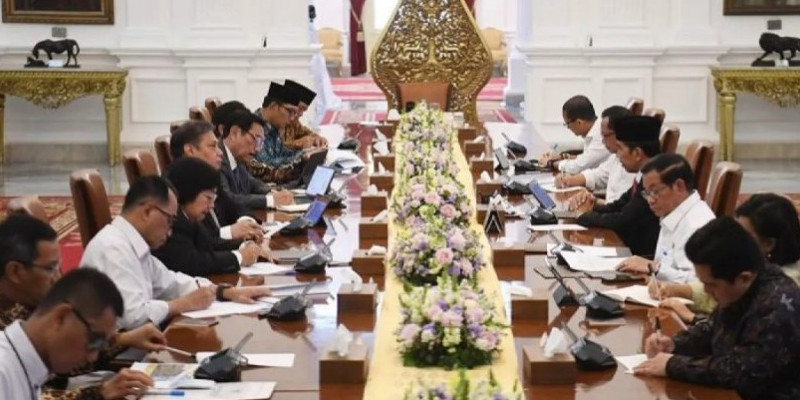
(259,140)
(653,193)
(51,270)
(170,217)
(292,111)
(97,341)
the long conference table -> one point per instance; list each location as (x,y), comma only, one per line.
(309,338)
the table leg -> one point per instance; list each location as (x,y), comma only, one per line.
(2,128)
(727,103)
(113,106)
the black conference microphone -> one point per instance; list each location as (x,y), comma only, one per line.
(516,148)
(598,305)
(564,296)
(315,262)
(589,355)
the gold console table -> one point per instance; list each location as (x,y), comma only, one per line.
(778,85)
(53,88)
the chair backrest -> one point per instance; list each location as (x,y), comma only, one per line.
(212,103)
(700,154)
(139,163)
(669,139)
(199,114)
(723,189)
(163,154)
(658,113)
(330,38)
(494,38)
(432,92)
(174,125)
(30,205)
(636,105)
(90,201)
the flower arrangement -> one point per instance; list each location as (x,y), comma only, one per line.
(462,389)
(422,255)
(418,158)
(425,124)
(450,325)
(433,201)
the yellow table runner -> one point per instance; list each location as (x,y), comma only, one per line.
(388,378)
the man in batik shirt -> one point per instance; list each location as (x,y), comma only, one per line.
(295,135)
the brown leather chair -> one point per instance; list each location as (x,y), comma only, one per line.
(199,114)
(211,105)
(723,190)
(669,139)
(30,205)
(163,154)
(432,92)
(658,113)
(636,105)
(700,154)
(139,163)
(90,201)
(174,125)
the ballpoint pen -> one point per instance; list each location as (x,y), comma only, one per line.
(658,328)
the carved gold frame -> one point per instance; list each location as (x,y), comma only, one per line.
(433,40)
(103,17)
(731,8)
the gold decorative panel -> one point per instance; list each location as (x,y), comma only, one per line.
(433,41)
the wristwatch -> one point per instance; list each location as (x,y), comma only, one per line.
(221,288)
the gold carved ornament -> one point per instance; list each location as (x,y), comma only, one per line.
(433,41)
(54,89)
(778,86)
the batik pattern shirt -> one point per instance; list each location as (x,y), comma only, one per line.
(294,133)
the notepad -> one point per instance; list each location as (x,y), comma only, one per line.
(270,230)
(586,262)
(293,208)
(281,360)
(224,391)
(165,375)
(264,269)
(554,189)
(556,227)
(597,251)
(638,294)
(283,290)
(631,362)
(220,308)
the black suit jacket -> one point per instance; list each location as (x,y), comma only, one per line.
(632,220)
(195,250)
(249,193)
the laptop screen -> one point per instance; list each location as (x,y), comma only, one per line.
(320,181)
(314,160)
(541,195)
(315,210)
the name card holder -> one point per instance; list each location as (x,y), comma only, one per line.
(351,368)
(360,302)
(540,370)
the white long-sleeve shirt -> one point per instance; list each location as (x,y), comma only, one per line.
(594,153)
(119,250)
(611,176)
(676,229)
(22,371)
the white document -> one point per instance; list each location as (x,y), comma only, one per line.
(585,262)
(596,251)
(270,230)
(282,360)
(285,290)
(293,208)
(631,362)
(638,294)
(553,189)
(556,227)
(264,269)
(224,391)
(166,375)
(220,308)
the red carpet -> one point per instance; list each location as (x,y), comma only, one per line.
(65,223)
(351,116)
(364,88)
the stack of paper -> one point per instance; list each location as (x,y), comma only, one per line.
(166,375)
(591,263)
(264,269)
(553,189)
(597,251)
(284,290)
(220,308)
(638,294)
(293,208)
(631,362)
(556,227)
(222,391)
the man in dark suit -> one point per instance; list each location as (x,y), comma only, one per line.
(192,248)
(195,139)
(240,140)
(630,216)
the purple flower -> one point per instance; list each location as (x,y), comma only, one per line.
(409,332)
(432,198)
(457,240)
(444,256)
(452,319)
(434,313)
(448,211)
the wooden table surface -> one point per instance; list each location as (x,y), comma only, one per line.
(308,339)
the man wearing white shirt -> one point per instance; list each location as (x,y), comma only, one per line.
(580,118)
(70,326)
(152,292)
(610,175)
(670,193)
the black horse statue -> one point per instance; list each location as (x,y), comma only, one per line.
(59,46)
(772,43)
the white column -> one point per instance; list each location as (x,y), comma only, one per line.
(514,93)
(692,24)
